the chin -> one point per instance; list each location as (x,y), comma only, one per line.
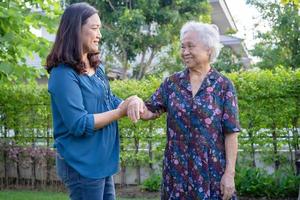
(94,50)
(189,66)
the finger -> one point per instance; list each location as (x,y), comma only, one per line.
(137,112)
(141,105)
(144,107)
(129,114)
(231,192)
(132,115)
(222,189)
(226,193)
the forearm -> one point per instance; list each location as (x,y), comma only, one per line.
(103,119)
(231,148)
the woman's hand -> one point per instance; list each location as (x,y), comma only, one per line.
(122,108)
(135,108)
(132,106)
(147,114)
(227,186)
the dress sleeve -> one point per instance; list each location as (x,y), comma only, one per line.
(230,118)
(158,100)
(66,94)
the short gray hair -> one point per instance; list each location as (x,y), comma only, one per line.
(208,35)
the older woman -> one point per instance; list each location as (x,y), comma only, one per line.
(202,121)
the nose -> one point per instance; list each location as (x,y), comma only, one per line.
(99,35)
(185,51)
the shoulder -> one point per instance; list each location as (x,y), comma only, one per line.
(62,68)
(176,76)
(62,75)
(223,80)
(63,71)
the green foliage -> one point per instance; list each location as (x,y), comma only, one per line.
(255,182)
(144,28)
(17,41)
(296,2)
(138,136)
(153,183)
(280,45)
(227,61)
(269,103)
(25,109)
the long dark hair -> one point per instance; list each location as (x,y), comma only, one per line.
(67,48)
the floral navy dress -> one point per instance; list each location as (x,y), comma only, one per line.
(194,159)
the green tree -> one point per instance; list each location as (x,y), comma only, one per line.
(281,44)
(17,42)
(135,32)
(228,61)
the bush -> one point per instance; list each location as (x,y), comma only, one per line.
(269,103)
(255,182)
(153,183)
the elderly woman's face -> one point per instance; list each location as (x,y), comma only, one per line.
(90,34)
(193,53)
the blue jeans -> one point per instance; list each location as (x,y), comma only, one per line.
(82,188)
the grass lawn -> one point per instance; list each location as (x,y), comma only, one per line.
(37,195)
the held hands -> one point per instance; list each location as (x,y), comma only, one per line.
(132,106)
(135,109)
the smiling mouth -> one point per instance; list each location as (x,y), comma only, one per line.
(187,59)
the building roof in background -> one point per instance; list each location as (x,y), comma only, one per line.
(236,44)
(221,16)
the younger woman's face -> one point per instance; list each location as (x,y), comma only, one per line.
(90,34)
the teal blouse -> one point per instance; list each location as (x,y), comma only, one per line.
(74,100)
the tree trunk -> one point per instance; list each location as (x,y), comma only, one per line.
(150,147)
(137,163)
(144,66)
(250,134)
(48,163)
(5,168)
(275,148)
(252,149)
(33,173)
(123,174)
(5,158)
(18,170)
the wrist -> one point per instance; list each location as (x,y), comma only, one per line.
(230,172)
(120,113)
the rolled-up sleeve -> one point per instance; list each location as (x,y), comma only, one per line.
(230,118)
(66,94)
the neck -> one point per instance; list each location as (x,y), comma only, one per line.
(85,59)
(199,71)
